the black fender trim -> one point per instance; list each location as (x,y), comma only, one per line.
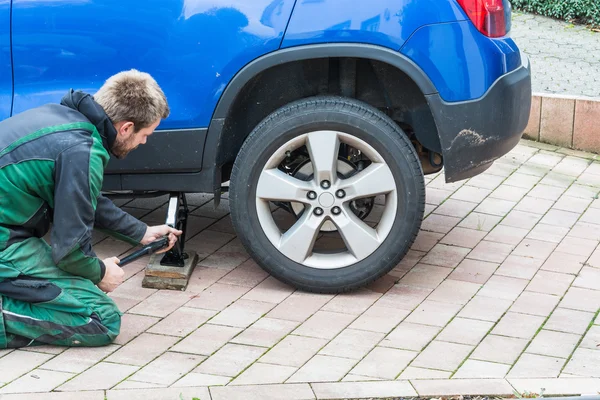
(326,50)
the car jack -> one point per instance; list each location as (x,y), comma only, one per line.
(173,269)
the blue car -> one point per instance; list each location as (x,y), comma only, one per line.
(319,117)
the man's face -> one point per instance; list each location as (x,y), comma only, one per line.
(127,140)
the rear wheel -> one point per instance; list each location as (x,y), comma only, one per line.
(327,194)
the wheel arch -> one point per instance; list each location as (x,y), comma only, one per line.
(223,142)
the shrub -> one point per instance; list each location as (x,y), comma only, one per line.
(581,11)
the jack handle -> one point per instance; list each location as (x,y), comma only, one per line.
(147,249)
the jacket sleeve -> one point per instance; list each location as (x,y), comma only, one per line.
(78,178)
(118,223)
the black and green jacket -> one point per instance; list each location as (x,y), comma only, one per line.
(52,162)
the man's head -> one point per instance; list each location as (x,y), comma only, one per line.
(135,104)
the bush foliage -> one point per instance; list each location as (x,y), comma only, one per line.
(581,11)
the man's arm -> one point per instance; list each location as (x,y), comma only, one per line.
(119,224)
(77,181)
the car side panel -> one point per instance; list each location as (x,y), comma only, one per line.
(192,47)
(460,61)
(5,62)
(387,23)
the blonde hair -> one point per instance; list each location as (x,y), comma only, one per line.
(133,96)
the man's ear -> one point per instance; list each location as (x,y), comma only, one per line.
(125,128)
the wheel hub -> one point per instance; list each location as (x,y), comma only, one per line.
(326,200)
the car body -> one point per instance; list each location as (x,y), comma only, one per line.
(225,65)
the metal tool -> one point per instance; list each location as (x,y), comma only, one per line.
(147,249)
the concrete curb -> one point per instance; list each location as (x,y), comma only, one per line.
(567,121)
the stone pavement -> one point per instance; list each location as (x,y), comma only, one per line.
(565,59)
(500,292)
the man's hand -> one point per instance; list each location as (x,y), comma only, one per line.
(156,232)
(113,275)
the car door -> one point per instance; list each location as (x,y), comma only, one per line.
(191,47)
(5,61)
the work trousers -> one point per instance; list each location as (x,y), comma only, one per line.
(42,304)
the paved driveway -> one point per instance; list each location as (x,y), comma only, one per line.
(500,292)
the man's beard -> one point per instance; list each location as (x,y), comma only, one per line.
(121,148)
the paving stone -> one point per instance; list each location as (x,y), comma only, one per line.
(362,390)
(323,368)
(465,331)
(481,370)
(353,344)
(557,179)
(104,375)
(454,292)
(242,313)
(260,374)
(426,240)
(556,387)
(230,360)
(379,319)
(577,246)
(132,326)
(572,204)
(19,362)
(586,230)
(324,324)
(534,248)
(359,378)
(142,349)
(510,193)
(442,355)
(293,351)
(521,219)
(473,271)
(87,395)
(182,321)
(265,332)
(581,299)
(167,368)
(536,366)
(564,263)
(436,196)
(129,384)
(570,321)
(196,379)
(439,223)
(206,340)
(410,336)
(354,303)
(588,278)
(522,180)
(270,290)
(470,194)
(445,256)
(424,373)
(491,251)
(548,233)
(554,344)
(433,313)
(298,391)
(507,235)
(547,192)
(132,289)
(591,340)
(503,287)
(535,304)
(485,308)
(203,277)
(480,222)
(594,260)
(78,359)
(581,191)
(521,326)
(403,297)
(592,215)
(519,267)
(384,363)
(299,306)
(217,297)
(485,181)
(534,205)
(426,276)
(499,349)
(247,274)
(161,303)
(584,362)
(463,237)
(38,381)
(159,394)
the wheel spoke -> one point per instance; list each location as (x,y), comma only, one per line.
(274,184)
(323,148)
(297,243)
(360,239)
(376,179)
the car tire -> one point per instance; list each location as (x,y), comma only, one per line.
(317,120)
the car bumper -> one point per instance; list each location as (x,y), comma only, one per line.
(473,134)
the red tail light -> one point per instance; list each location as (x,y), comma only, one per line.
(488,16)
